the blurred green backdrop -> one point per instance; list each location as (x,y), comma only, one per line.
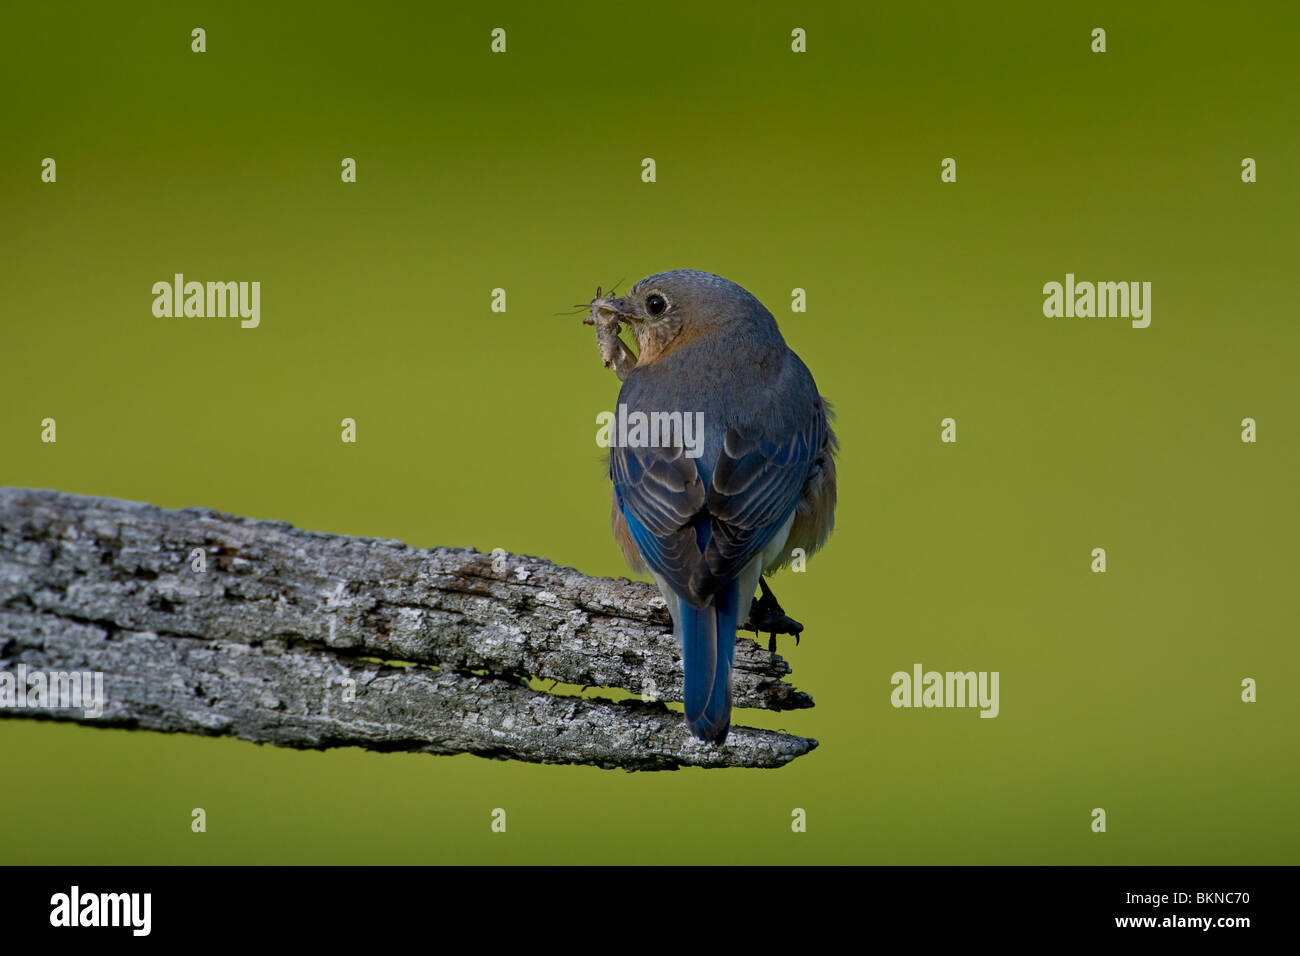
(778,170)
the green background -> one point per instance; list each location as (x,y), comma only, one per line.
(820,171)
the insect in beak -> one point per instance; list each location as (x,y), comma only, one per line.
(602,306)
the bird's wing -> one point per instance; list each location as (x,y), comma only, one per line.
(697,534)
(661,493)
(756,484)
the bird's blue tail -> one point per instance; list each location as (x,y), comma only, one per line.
(708,645)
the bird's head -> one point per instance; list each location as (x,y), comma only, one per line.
(668,309)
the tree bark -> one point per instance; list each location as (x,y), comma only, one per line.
(312,640)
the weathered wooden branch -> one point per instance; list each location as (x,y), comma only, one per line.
(313,640)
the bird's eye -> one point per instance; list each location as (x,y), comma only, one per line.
(655,304)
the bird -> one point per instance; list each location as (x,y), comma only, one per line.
(709,519)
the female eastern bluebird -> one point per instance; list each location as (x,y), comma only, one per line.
(709,517)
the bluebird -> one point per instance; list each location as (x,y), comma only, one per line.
(709,514)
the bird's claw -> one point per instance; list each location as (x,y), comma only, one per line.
(766,614)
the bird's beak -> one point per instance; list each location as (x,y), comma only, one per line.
(606,306)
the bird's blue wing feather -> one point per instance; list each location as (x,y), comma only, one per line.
(756,486)
(699,533)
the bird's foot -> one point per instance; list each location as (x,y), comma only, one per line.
(766,614)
